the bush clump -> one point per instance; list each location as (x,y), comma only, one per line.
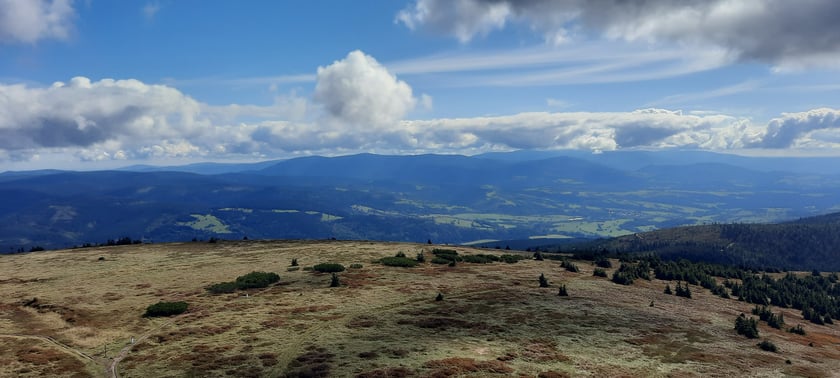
(768,346)
(403,262)
(356,266)
(165,309)
(511,259)
(570,266)
(797,330)
(480,258)
(440,261)
(448,254)
(599,272)
(328,268)
(222,288)
(256,280)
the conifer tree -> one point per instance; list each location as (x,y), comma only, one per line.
(563,292)
(543,280)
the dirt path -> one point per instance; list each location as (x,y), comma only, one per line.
(111,371)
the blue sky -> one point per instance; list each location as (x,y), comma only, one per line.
(89,84)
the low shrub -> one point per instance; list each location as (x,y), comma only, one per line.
(256,280)
(571,267)
(329,268)
(166,309)
(603,262)
(292,268)
(480,258)
(599,272)
(356,266)
(404,262)
(440,261)
(768,346)
(511,259)
(448,254)
(797,330)
(222,288)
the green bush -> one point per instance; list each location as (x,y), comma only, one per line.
(768,346)
(572,267)
(447,254)
(222,287)
(603,262)
(797,330)
(256,280)
(356,266)
(598,272)
(166,309)
(480,259)
(404,262)
(329,268)
(440,261)
(421,258)
(511,259)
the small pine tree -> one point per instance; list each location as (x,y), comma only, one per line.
(668,289)
(429,242)
(538,256)
(294,262)
(563,292)
(439,297)
(334,282)
(421,258)
(543,280)
(746,327)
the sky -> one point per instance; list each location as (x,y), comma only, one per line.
(93,84)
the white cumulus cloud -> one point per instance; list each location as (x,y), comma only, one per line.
(29,21)
(360,91)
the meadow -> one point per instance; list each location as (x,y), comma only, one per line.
(74,313)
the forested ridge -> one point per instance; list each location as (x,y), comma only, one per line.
(805,244)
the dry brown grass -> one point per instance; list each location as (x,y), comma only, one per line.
(382,322)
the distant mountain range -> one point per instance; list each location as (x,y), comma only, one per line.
(445,198)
